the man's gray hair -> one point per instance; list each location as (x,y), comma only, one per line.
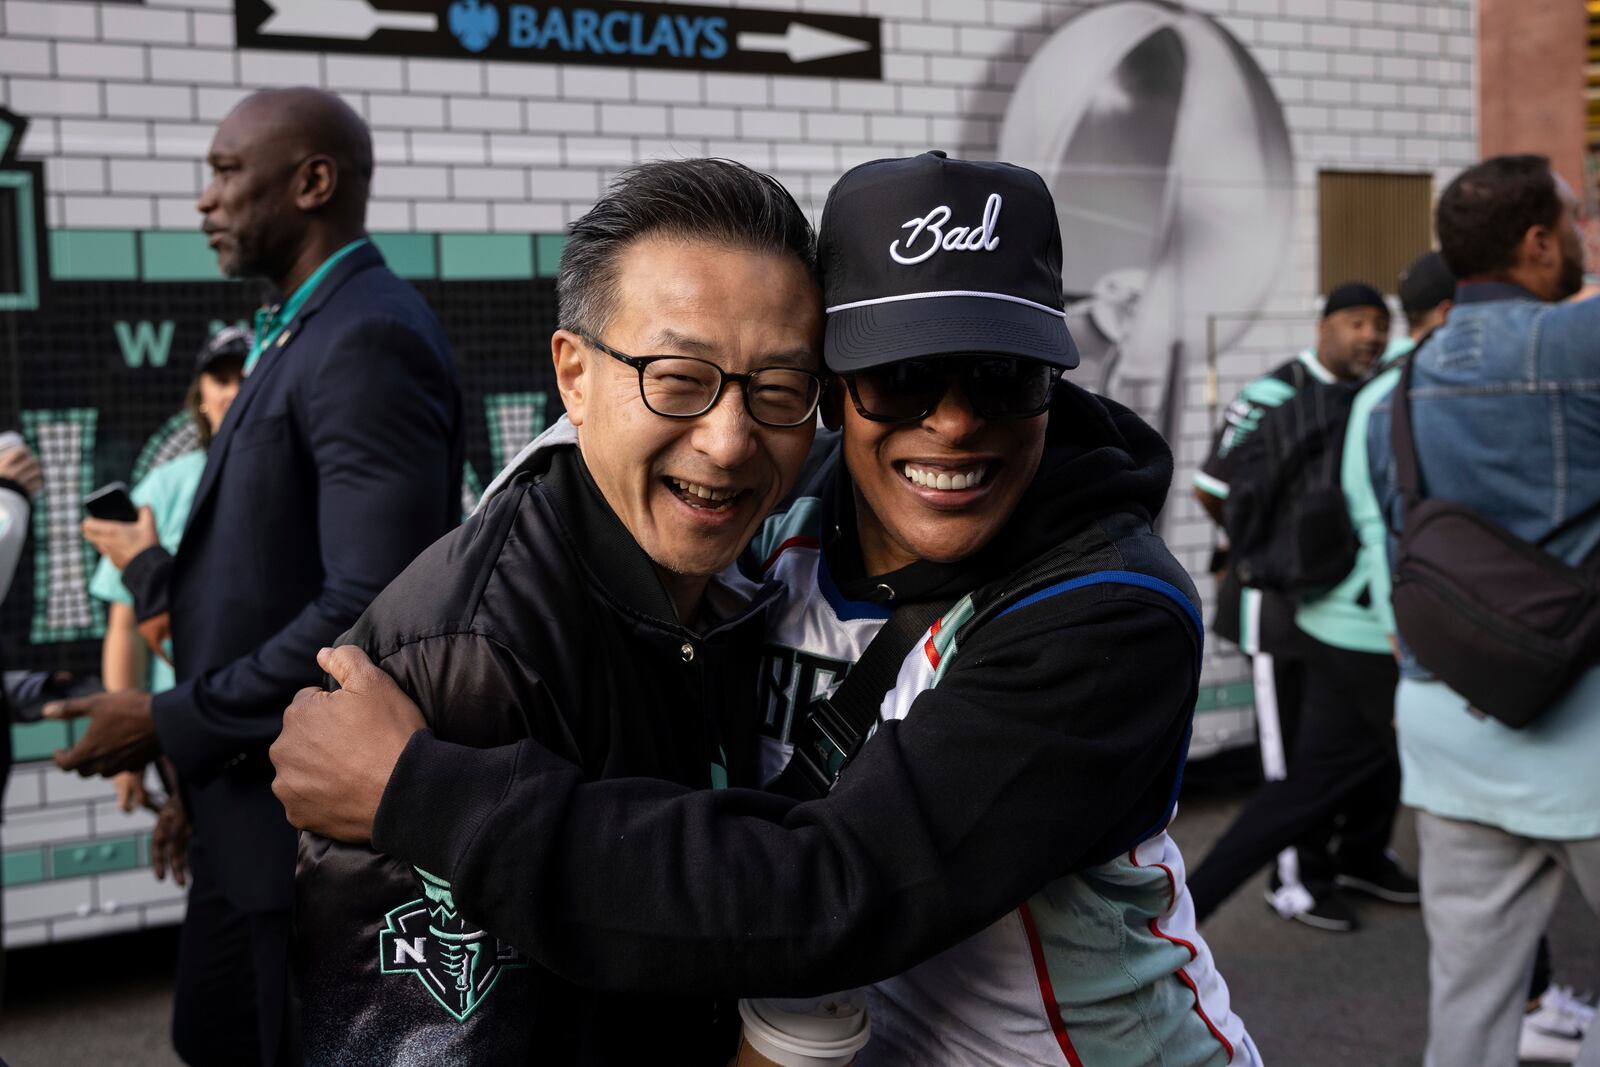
(714,200)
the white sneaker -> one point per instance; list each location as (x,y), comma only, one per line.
(1554,1032)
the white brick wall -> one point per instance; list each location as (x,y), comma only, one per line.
(50,21)
(127,22)
(38,97)
(1366,83)
(78,59)
(124,98)
(526,218)
(169,177)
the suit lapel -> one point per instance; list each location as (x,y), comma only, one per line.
(238,411)
(358,260)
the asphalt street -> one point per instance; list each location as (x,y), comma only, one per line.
(1311,999)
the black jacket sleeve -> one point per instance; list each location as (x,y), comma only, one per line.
(378,417)
(1052,744)
(148,577)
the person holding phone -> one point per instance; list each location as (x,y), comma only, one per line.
(339,461)
(162,499)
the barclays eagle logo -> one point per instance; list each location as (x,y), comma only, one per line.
(474,24)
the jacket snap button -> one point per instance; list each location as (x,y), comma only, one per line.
(688,652)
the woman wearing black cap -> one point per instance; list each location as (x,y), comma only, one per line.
(164,496)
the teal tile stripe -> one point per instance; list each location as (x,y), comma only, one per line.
(549,246)
(183,256)
(410,255)
(1223,697)
(77,859)
(484,256)
(32,741)
(22,867)
(177,257)
(111,255)
(36,740)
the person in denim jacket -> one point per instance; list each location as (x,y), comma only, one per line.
(1506,409)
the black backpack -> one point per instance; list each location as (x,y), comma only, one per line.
(1288,526)
(1498,619)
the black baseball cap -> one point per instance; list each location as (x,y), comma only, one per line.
(929,256)
(230,342)
(1354,295)
(1426,284)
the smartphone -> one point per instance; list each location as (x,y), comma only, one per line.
(112,502)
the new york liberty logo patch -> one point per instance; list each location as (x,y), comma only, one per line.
(458,964)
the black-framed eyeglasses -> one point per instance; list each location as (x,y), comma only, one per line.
(997,387)
(682,387)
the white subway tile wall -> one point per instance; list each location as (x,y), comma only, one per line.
(1366,84)
(122,99)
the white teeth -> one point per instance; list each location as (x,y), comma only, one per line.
(704,492)
(944,479)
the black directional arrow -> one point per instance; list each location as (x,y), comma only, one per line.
(673,36)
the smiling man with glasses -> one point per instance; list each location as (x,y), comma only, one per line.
(973,821)
(583,608)
(683,387)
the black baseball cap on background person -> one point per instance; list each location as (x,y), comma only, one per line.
(228,343)
(1426,283)
(929,256)
(1354,295)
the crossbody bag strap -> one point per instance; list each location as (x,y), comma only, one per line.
(835,728)
(1401,436)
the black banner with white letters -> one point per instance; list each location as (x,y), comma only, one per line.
(670,36)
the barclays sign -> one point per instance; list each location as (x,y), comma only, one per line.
(676,36)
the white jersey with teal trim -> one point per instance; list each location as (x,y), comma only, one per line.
(1103,968)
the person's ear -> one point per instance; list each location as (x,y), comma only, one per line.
(316,180)
(567,355)
(1539,247)
(832,406)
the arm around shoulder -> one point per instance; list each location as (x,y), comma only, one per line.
(1052,745)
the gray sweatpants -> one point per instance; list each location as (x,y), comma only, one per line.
(1486,897)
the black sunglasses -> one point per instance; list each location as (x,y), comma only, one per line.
(997,387)
(682,387)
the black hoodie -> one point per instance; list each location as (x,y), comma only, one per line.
(540,618)
(1055,744)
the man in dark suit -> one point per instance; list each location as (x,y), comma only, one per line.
(339,462)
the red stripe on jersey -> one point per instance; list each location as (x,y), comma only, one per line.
(1172,879)
(1047,993)
(793,542)
(1155,928)
(928,649)
(1183,976)
(1198,1010)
